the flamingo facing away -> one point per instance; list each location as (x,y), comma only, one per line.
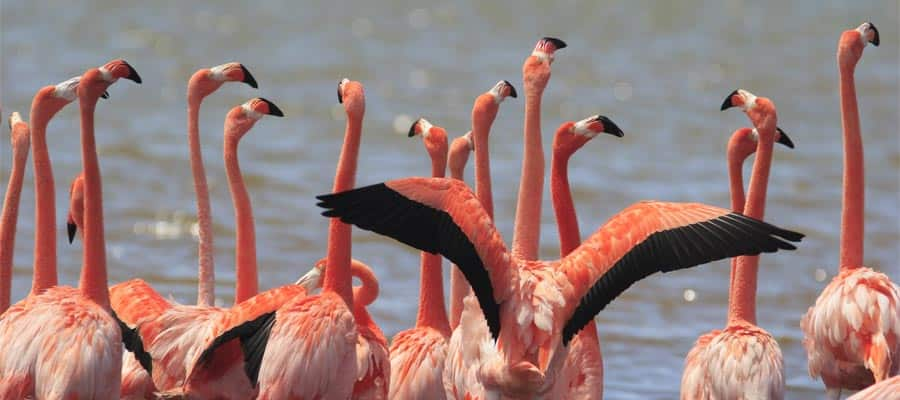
(742,359)
(545,303)
(306,347)
(459,365)
(20,141)
(457,158)
(582,372)
(417,354)
(72,343)
(852,333)
(888,389)
(135,301)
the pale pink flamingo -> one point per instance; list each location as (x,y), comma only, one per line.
(137,303)
(417,354)
(457,158)
(545,303)
(307,347)
(852,333)
(74,342)
(179,334)
(460,362)
(888,389)
(742,359)
(20,141)
(582,372)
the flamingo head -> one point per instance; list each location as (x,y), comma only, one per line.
(352,95)
(536,69)
(434,137)
(572,135)
(743,142)
(208,80)
(241,118)
(760,110)
(19,134)
(95,81)
(488,103)
(853,41)
(76,206)
(459,154)
(49,100)
(313,279)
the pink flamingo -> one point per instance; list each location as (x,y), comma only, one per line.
(137,303)
(888,389)
(456,162)
(460,362)
(74,342)
(19,138)
(717,367)
(583,370)
(417,354)
(852,333)
(541,303)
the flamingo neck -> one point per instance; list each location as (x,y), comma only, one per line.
(459,287)
(853,204)
(337,272)
(8,220)
(736,183)
(206,276)
(480,131)
(432,309)
(527,231)
(367,292)
(563,205)
(45,207)
(743,297)
(93,271)
(247,284)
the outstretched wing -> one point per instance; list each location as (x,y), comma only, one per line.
(650,237)
(436,215)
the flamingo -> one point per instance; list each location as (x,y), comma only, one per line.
(457,158)
(72,343)
(852,333)
(20,141)
(545,303)
(138,304)
(459,370)
(888,389)
(742,359)
(306,347)
(417,354)
(583,370)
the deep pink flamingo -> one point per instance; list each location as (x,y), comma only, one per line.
(20,141)
(456,162)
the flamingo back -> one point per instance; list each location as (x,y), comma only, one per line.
(750,364)
(417,364)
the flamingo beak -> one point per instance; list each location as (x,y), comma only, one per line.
(557,43)
(72,229)
(340,95)
(784,139)
(611,127)
(311,280)
(412,129)
(728,103)
(248,78)
(512,89)
(273,109)
(105,95)
(875,39)
(132,74)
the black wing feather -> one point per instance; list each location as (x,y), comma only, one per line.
(253,336)
(131,338)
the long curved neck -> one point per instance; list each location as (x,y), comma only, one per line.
(366,293)
(206,277)
(743,294)
(563,206)
(527,231)
(8,221)
(432,309)
(459,288)
(247,284)
(337,273)
(480,130)
(736,184)
(93,270)
(852,211)
(45,207)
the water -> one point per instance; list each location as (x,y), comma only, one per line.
(660,71)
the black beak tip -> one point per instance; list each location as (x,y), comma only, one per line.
(611,127)
(784,139)
(559,44)
(105,95)
(248,77)
(727,103)
(273,109)
(512,89)
(71,228)
(132,74)
(412,129)
(339,94)
(875,40)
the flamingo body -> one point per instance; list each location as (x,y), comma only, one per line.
(415,356)
(888,389)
